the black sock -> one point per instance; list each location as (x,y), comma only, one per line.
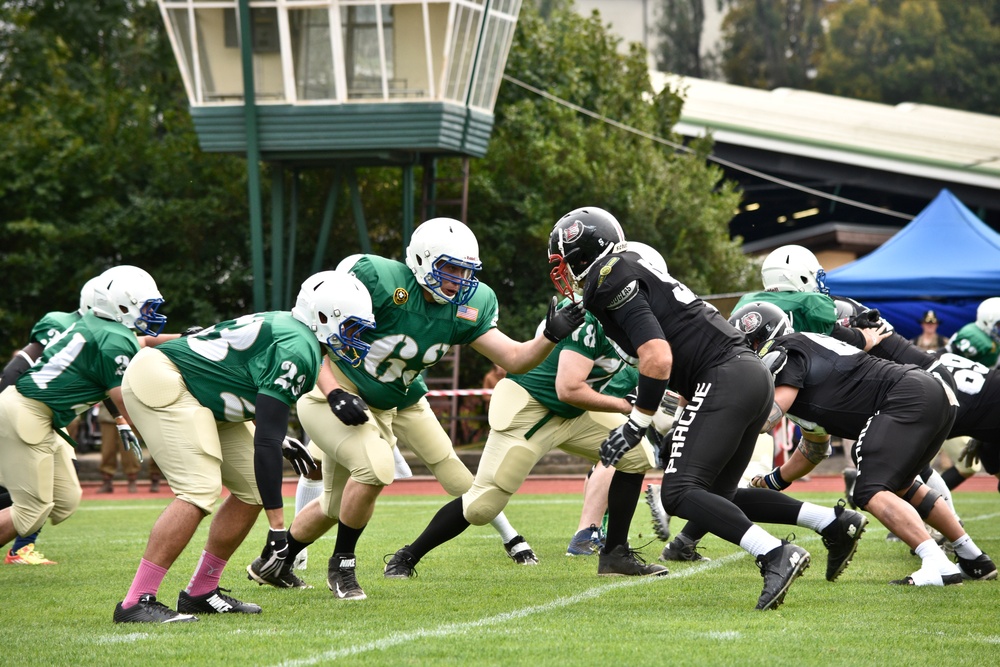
(347,538)
(448,523)
(294,546)
(952,477)
(623,495)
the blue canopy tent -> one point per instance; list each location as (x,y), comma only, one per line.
(946,260)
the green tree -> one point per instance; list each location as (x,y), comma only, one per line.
(680,25)
(928,51)
(99,165)
(771,43)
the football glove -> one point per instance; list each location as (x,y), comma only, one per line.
(771,480)
(970,453)
(298,455)
(275,553)
(774,357)
(130,443)
(190,331)
(866,319)
(349,408)
(561,323)
(620,440)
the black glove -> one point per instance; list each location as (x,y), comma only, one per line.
(619,441)
(275,553)
(130,443)
(866,319)
(190,331)
(970,453)
(298,455)
(561,323)
(774,357)
(771,480)
(349,408)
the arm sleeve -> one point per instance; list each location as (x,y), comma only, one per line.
(849,336)
(272,425)
(12,371)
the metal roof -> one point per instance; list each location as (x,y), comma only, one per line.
(914,139)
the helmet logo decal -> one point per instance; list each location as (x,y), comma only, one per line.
(400,296)
(751,321)
(606,269)
(572,231)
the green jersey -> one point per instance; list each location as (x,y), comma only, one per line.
(79,366)
(227,365)
(610,374)
(51,325)
(808,312)
(973,343)
(411,333)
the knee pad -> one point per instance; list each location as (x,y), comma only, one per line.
(925,506)
(30,520)
(486,507)
(452,475)
(66,507)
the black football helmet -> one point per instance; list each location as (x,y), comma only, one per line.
(578,241)
(760,321)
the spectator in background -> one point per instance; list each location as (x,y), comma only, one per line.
(110,450)
(930,339)
(490,380)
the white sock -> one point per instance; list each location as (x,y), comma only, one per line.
(816,517)
(934,558)
(758,541)
(402,467)
(966,548)
(502,526)
(306,491)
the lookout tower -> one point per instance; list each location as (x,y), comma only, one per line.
(302,84)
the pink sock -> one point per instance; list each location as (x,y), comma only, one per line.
(206,575)
(147,580)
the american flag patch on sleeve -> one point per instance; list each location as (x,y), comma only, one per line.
(468,313)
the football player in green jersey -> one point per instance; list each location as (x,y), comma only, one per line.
(23,551)
(195,398)
(80,366)
(980,340)
(423,307)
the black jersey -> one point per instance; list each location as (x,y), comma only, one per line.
(637,303)
(978,392)
(840,386)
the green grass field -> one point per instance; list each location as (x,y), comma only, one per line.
(471,606)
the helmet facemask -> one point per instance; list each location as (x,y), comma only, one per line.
(443,253)
(346,343)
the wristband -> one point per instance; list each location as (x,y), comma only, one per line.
(641,419)
(650,393)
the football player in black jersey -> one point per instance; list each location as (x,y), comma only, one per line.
(898,414)
(672,334)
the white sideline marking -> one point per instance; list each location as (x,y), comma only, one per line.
(452,629)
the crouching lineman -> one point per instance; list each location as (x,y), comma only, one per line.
(80,366)
(898,416)
(193,400)
(728,394)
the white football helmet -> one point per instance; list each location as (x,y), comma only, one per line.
(650,254)
(336,307)
(792,268)
(444,243)
(988,317)
(87,295)
(129,295)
